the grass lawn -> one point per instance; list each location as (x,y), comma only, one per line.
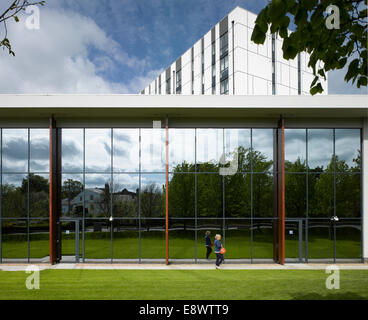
(181,246)
(184,284)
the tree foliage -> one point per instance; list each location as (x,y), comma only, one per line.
(329,49)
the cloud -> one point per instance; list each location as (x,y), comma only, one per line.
(70,53)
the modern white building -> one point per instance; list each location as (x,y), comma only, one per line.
(226,61)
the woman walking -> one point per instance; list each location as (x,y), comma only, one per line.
(208,244)
(218,247)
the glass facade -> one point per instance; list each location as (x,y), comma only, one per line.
(222,180)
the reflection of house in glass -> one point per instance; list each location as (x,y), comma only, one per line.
(96,202)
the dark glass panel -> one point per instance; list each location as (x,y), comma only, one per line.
(320,195)
(238,195)
(14,239)
(72,195)
(126,239)
(292,238)
(39,239)
(181,195)
(181,239)
(263,195)
(348,239)
(238,238)
(263,235)
(320,239)
(39,195)
(153,195)
(295,195)
(97,239)
(209,195)
(153,245)
(126,195)
(348,195)
(14,196)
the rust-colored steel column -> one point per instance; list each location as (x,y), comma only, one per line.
(281,191)
(167,190)
(53,191)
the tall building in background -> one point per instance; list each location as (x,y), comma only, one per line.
(226,61)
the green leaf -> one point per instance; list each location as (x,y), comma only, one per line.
(316,89)
(16,19)
(258,36)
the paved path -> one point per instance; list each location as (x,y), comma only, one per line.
(88,266)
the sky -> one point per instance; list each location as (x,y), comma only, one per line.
(111,46)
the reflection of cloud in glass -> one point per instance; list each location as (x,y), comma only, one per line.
(126,150)
(153,150)
(295,144)
(209,145)
(98,150)
(181,147)
(15,150)
(262,141)
(158,179)
(39,150)
(347,145)
(97,180)
(72,150)
(320,147)
(126,181)
(13,179)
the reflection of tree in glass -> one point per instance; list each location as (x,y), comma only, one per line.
(70,189)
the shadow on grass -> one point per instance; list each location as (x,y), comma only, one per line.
(330,296)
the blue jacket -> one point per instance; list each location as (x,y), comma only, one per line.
(218,246)
(207,241)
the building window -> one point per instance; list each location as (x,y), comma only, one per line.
(168,86)
(273,64)
(178,82)
(213,68)
(299,76)
(224,44)
(202,59)
(159,87)
(224,86)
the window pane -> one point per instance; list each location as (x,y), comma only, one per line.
(238,240)
(295,195)
(39,150)
(348,195)
(295,150)
(72,195)
(153,195)
(153,239)
(238,195)
(125,196)
(97,195)
(262,140)
(39,195)
(39,239)
(14,195)
(72,150)
(153,150)
(15,150)
(98,150)
(181,239)
(237,149)
(263,195)
(209,195)
(182,150)
(320,195)
(126,239)
(320,149)
(263,238)
(347,149)
(320,239)
(68,242)
(97,239)
(292,229)
(214,226)
(181,195)
(209,149)
(14,239)
(126,150)
(348,239)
